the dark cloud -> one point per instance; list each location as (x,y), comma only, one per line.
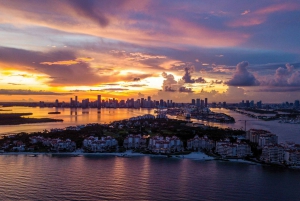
(112,89)
(242,77)
(136,85)
(91,10)
(169,83)
(187,77)
(294,80)
(136,79)
(287,76)
(78,90)
(108,84)
(185,89)
(279,89)
(216,82)
(28,92)
(200,80)
(76,74)
(212,95)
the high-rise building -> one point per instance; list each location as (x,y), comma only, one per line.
(76,101)
(142,102)
(202,103)
(247,103)
(99,101)
(258,104)
(71,102)
(193,102)
(296,103)
(56,103)
(205,102)
(161,102)
(198,102)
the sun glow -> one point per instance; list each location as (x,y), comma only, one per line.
(21,79)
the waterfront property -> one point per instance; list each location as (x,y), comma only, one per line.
(200,143)
(135,142)
(54,144)
(261,137)
(146,116)
(238,149)
(94,144)
(292,157)
(159,144)
(272,154)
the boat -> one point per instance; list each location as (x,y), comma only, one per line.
(33,155)
(53,112)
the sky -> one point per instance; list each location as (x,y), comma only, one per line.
(223,50)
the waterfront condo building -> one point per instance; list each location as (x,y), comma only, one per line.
(94,144)
(227,149)
(272,154)
(134,142)
(261,137)
(199,143)
(158,144)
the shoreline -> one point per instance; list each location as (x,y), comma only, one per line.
(195,156)
(198,156)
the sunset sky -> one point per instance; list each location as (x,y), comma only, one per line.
(225,50)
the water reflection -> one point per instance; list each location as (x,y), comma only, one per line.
(76,116)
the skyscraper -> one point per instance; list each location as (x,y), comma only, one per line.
(76,101)
(205,102)
(198,102)
(99,101)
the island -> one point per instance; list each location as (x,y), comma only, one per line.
(157,136)
(53,112)
(19,118)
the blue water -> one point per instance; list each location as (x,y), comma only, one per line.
(141,178)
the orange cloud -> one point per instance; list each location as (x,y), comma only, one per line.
(174,32)
(69,62)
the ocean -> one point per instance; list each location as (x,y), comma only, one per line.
(52,178)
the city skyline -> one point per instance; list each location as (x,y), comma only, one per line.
(180,50)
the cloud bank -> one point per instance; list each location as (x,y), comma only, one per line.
(242,77)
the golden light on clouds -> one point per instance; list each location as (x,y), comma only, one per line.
(22,79)
(69,62)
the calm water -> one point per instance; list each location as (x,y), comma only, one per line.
(286,132)
(141,178)
(71,117)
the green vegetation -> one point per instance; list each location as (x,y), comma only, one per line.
(120,130)
(17,118)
